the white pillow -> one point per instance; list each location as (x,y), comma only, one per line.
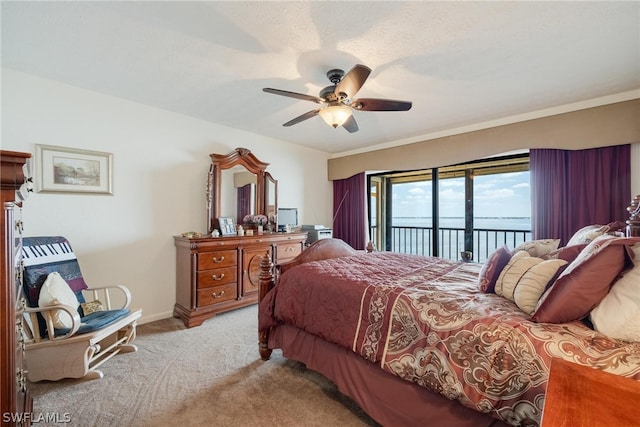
(55,290)
(533,283)
(618,314)
(510,265)
(587,234)
(538,248)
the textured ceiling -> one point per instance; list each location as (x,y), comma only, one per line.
(461,63)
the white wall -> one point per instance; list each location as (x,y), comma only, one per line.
(160,166)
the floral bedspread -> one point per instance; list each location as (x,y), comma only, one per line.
(424,320)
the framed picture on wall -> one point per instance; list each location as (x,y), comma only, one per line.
(72,170)
(227,226)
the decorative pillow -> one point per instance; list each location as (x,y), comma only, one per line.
(514,272)
(618,314)
(55,290)
(538,248)
(567,253)
(587,234)
(512,261)
(617,226)
(91,307)
(584,283)
(492,268)
(534,282)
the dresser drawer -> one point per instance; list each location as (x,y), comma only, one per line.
(217,277)
(217,259)
(287,251)
(217,294)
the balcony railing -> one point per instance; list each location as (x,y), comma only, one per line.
(419,240)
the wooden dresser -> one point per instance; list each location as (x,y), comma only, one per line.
(15,399)
(219,274)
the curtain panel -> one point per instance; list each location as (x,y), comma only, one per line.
(243,207)
(572,189)
(349,210)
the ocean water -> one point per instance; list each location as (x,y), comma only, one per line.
(419,240)
(493,223)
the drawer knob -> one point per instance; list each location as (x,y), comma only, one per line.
(289,249)
(217,295)
(214,277)
(216,259)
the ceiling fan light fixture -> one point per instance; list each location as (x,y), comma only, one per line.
(338,99)
(335,115)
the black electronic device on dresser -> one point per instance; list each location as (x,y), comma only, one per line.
(316,232)
(15,399)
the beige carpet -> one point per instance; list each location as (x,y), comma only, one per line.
(210,375)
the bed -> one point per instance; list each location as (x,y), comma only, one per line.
(432,342)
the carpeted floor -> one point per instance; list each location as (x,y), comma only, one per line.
(210,375)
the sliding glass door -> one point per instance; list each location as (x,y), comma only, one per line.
(456,212)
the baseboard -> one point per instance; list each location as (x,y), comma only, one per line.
(153,318)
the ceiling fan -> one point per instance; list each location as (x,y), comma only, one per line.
(337,99)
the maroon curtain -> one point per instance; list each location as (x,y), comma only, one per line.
(572,189)
(349,210)
(244,202)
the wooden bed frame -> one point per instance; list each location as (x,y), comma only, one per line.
(416,405)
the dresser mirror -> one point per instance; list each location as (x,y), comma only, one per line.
(243,199)
(238,185)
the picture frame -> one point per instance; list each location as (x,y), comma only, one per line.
(227,226)
(73,170)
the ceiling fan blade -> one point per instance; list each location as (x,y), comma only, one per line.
(294,95)
(351,125)
(352,81)
(303,117)
(374,104)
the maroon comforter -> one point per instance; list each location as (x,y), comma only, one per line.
(424,320)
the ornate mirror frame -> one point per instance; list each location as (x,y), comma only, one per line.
(270,197)
(219,162)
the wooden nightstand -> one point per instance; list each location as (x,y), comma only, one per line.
(579,396)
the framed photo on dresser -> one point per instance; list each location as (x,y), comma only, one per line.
(227,227)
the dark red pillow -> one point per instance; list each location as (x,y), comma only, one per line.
(617,226)
(567,253)
(491,269)
(584,283)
